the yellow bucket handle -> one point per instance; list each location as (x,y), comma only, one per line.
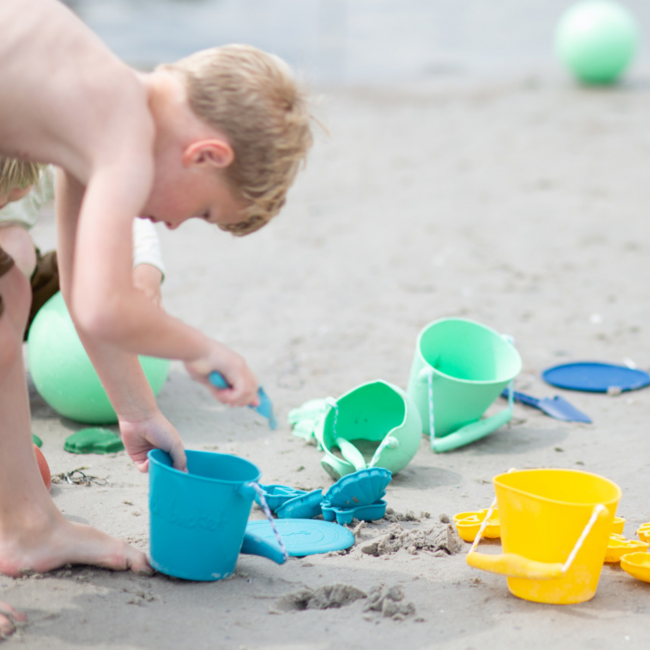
(517,566)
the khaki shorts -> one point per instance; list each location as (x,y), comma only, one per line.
(44,281)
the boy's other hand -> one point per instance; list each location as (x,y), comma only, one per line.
(156,432)
(242,384)
(147,278)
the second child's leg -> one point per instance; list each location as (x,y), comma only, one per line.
(42,270)
(17,241)
(34,535)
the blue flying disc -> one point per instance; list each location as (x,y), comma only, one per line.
(595,377)
(304,536)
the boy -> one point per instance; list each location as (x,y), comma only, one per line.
(217,136)
(19,213)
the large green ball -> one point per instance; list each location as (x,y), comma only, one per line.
(63,373)
(596,40)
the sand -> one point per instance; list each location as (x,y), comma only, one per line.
(517,202)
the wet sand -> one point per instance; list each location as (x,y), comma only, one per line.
(519,203)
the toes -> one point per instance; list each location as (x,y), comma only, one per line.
(138,563)
(7,617)
(8,610)
(124,557)
(144,571)
(7,628)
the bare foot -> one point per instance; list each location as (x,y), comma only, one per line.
(50,542)
(7,617)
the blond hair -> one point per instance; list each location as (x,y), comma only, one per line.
(251,96)
(17,174)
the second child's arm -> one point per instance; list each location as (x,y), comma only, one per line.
(148,267)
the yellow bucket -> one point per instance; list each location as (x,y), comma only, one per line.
(555,527)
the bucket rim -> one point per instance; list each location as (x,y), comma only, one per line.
(372,382)
(458,379)
(151,455)
(396,389)
(564,502)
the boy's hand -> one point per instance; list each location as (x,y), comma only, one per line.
(147,278)
(156,432)
(243,386)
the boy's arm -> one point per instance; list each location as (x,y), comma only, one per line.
(142,425)
(106,305)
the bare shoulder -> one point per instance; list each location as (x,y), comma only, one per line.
(73,102)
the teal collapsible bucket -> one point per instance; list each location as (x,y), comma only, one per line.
(460,367)
(198,519)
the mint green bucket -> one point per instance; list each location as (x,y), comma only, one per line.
(373,425)
(460,367)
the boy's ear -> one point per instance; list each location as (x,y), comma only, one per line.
(215,153)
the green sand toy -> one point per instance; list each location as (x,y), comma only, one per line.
(459,368)
(373,425)
(596,40)
(93,440)
(63,373)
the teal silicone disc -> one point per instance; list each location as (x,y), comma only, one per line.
(304,536)
(93,440)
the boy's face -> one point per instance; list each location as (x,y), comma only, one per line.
(14,195)
(199,193)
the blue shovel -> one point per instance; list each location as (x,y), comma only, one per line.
(265,407)
(557,407)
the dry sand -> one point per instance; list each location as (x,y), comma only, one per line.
(520,203)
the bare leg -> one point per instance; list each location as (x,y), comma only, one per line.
(34,535)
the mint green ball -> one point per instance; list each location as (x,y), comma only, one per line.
(63,373)
(596,40)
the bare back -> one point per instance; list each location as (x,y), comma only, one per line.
(66,99)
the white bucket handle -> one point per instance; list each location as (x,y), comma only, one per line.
(470,432)
(267,511)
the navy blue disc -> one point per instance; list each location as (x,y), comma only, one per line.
(595,377)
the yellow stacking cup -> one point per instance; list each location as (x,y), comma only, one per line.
(555,527)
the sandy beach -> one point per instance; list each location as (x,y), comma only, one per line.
(518,202)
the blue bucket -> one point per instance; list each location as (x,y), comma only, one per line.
(197,520)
